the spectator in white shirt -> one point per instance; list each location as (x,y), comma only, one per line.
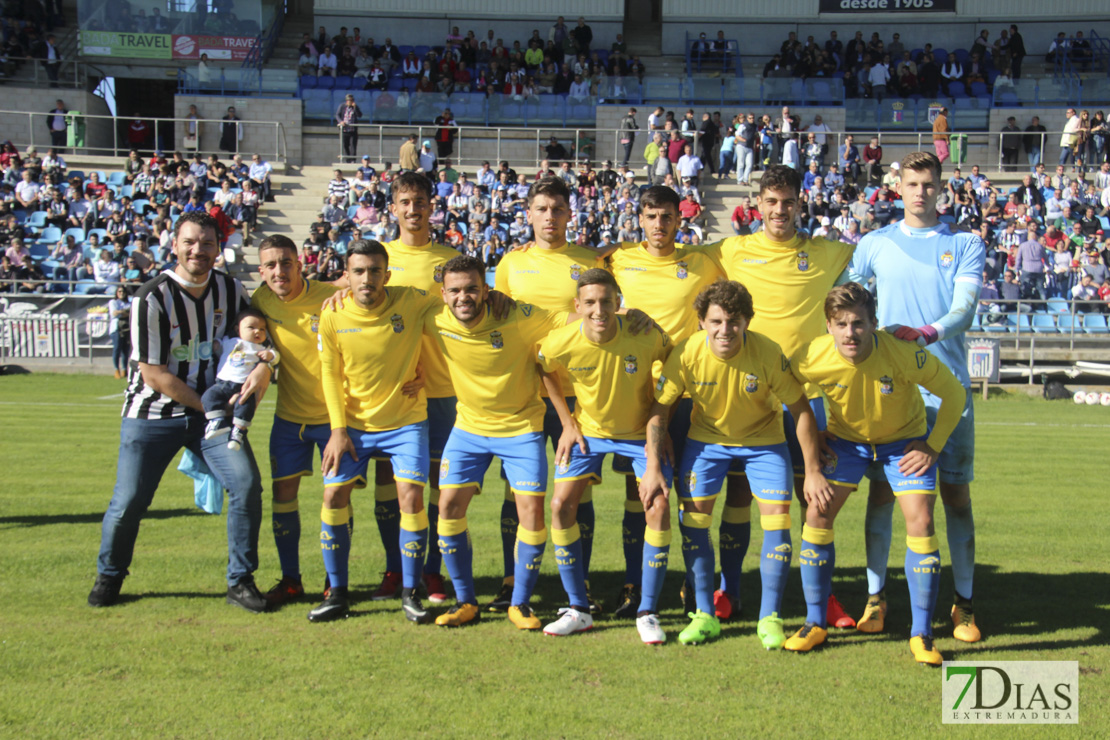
(327,63)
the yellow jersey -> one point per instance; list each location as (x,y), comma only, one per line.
(738,401)
(877,401)
(292,326)
(493,366)
(664,287)
(788,282)
(613,379)
(367,355)
(422,267)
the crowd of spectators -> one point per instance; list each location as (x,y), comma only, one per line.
(564,62)
(25,35)
(59,226)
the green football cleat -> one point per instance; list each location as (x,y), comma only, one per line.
(703,628)
(770,632)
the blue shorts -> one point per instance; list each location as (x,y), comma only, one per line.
(552,427)
(291,447)
(406,447)
(441,420)
(704,467)
(956,464)
(588,466)
(791,430)
(467,457)
(854,458)
(678,429)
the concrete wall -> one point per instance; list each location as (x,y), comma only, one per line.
(761,37)
(258,115)
(24,130)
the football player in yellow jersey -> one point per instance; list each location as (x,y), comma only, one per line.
(789,276)
(738,380)
(871,381)
(612,371)
(545,275)
(292,307)
(414,260)
(663,279)
(368,350)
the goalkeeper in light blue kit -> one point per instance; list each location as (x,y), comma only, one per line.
(928,276)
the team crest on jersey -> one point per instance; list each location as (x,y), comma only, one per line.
(681,271)
(751,383)
(235,359)
(575,272)
(398,323)
(946,259)
(496,339)
(315,323)
(886,385)
(217,318)
(438,274)
(631,364)
(803,261)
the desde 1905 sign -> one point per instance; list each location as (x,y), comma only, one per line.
(887,6)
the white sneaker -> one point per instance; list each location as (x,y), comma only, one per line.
(650,631)
(570,621)
(215,427)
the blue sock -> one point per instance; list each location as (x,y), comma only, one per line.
(529,556)
(286,517)
(698,551)
(632,529)
(817,559)
(387,511)
(412,544)
(585,520)
(335,543)
(568,556)
(923,579)
(433,562)
(734,537)
(657,548)
(458,556)
(877,526)
(509,524)
(774,562)
(961,547)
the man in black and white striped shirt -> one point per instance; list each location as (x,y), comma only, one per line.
(177,320)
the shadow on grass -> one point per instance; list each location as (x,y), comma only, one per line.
(39,520)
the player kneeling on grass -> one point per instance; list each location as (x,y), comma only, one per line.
(870,380)
(738,380)
(611,368)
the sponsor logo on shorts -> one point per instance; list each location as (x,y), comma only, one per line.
(526,484)
(444,467)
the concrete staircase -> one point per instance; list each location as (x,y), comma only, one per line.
(32,72)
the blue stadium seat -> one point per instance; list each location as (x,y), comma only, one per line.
(115,179)
(422,51)
(325,82)
(307,82)
(979,89)
(102,233)
(962,55)
(40,250)
(940,56)
(1044,323)
(317,103)
(343,82)
(1095,323)
(1058,305)
(79,174)
(36,221)
(1007,98)
(956,90)
(138,206)
(77,233)
(126,191)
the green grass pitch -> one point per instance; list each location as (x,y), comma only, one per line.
(173,660)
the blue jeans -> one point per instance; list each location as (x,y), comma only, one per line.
(120,348)
(726,163)
(745,157)
(147,447)
(1034,156)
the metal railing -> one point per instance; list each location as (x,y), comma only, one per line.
(71,72)
(1050,318)
(27,128)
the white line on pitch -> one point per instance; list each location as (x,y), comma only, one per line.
(1037,424)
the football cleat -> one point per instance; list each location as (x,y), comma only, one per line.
(105,590)
(963,621)
(702,628)
(874,614)
(570,621)
(650,631)
(411,607)
(924,651)
(524,618)
(437,591)
(504,598)
(807,638)
(770,632)
(725,606)
(333,607)
(459,615)
(327,585)
(628,602)
(286,590)
(836,616)
(390,587)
